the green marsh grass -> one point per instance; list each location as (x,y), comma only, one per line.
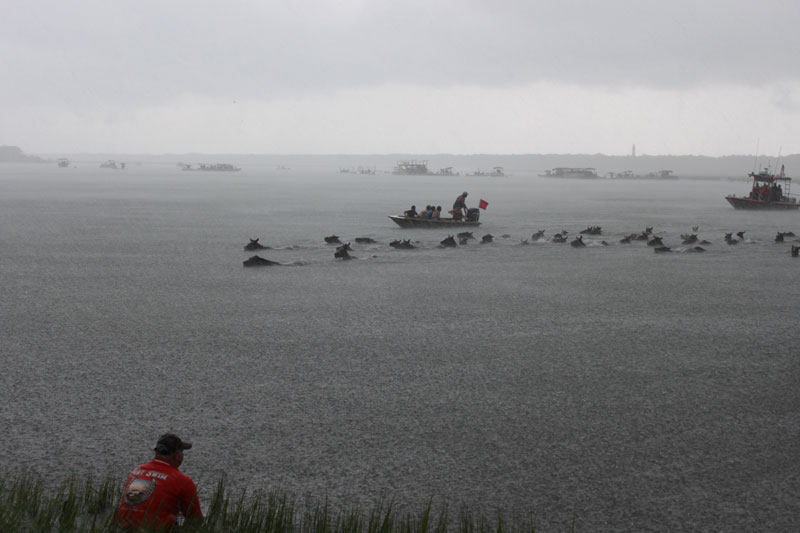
(89,505)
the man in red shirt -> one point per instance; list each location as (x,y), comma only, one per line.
(156,492)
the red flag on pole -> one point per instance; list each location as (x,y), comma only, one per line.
(782,173)
(483,204)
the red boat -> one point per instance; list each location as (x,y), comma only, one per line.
(769,191)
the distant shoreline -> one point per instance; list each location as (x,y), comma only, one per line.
(683,166)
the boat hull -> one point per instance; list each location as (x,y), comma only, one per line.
(739,202)
(414,222)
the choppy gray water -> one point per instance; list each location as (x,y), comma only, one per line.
(608,387)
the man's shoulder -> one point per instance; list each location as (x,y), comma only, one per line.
(159,467)
(168,474)
(155,464)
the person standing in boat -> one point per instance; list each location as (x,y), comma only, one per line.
(459,210)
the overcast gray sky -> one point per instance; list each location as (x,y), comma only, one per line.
(372,76)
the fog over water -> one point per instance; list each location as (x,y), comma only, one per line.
(358,76)
(609,388)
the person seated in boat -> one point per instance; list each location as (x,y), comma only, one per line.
(437,213)
(411,212)
(460,206)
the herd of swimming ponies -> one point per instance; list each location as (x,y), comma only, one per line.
(690,242)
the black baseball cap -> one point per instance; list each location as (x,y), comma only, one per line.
(170,443)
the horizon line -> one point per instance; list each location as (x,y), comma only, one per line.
(397,154)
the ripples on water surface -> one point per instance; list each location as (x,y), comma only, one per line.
(621,389)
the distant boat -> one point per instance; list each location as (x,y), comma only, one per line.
(113,164)
(215,167)
(63,162)
(496,172)
(768,192)
(624,175)
(412,167)
(370,171)
(662,175)
(446,171)
(570,172)
(281,167)
(629,175)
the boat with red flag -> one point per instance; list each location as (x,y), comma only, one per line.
(405,221)
(427,219)
(769,191)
